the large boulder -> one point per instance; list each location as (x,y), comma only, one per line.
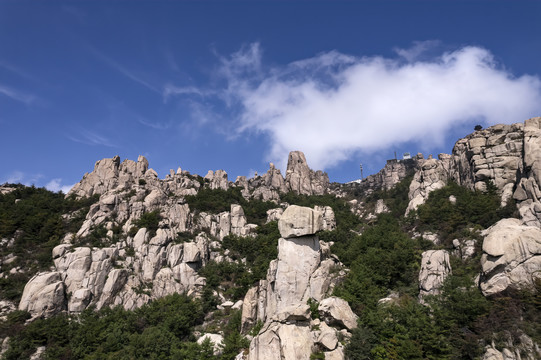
(299,221)
(511,256)
(336,311)
(44,295)
(435,267)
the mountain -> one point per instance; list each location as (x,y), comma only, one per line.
(435,258)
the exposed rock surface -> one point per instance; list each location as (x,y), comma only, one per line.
(133,268)
(435,268)
(511,256)
(528,193)
(337,311)
(302,272)
(301,179)
(298,221)
(110,174)
(493,154)
(217,341)
(432,175)
(392,173)
(44,294)
(517,347)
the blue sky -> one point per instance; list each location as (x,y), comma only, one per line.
(234,85)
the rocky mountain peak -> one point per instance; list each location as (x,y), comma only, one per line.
(303,180)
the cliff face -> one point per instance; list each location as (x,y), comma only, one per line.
(508,156)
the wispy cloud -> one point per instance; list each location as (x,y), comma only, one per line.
(334,105)
(123,70)
(91,138)
(17,95)
(19,177)
(170,90)
(16,70)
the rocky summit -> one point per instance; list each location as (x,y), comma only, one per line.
(430,258)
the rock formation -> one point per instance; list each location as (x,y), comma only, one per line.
(493,154)
(527,193)
(511,256)
(392,173)
(435,268)
(130,269)
(432,175)
(301,179)
(303,271)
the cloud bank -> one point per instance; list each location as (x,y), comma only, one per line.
(334,105)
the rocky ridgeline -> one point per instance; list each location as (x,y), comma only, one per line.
(148,264)
(509,156)
(305,270)
(392,173)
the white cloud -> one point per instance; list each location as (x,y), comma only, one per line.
(55,185)
(17,95)
(122,69)
(333,105)
(19,177)
(91,138)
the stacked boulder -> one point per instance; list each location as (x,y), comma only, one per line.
(305,272)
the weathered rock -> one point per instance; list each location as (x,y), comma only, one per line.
(298,259)
(435,268)
(299,221)
(327,337)
(337,311)
(511,256)
(249,309)
(6,307)
(493,154)
(217,179)
(392,173)
(37,355)
(79,300)
(464,248)
(43,295)
(327,217)
(274,214)
(217,341)
(381,207)
(528,194)
(301,179)
(432,175)
(110,174)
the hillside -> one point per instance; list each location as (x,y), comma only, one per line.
(427,259)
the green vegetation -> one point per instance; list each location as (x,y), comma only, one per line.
(33,217)
(381,259)
(472,208)
(236,278)
(219,200)
(162,329)
(458,323)
(150,221)
(396,198)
